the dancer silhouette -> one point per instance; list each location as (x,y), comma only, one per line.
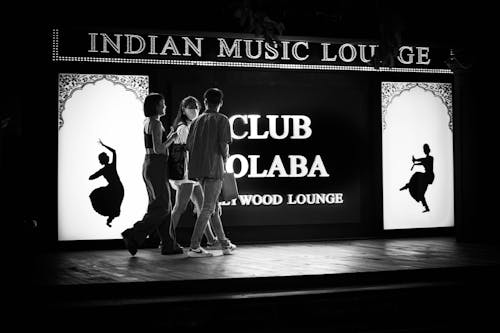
(418,183)
(107,200)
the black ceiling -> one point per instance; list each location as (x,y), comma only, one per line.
(438,21)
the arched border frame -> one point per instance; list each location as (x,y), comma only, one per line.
(69,83)
(391,90)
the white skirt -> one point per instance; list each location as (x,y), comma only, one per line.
(176,183)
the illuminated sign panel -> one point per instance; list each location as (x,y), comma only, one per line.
(295,151)
(300,122)
(417,141)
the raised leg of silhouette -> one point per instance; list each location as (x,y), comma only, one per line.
(110,219)
(426,207)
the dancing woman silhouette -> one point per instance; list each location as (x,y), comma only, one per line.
(420,180)
(107,200)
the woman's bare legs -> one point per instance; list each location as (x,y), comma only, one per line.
(182,196)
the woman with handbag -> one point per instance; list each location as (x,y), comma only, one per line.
(185,188)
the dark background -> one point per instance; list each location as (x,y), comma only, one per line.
(29,134)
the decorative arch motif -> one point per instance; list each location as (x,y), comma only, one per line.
(70,82)
(391,90)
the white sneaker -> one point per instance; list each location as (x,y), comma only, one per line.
(214,246)
(199,252)
(228,249)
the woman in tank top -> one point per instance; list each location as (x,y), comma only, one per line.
(155,177)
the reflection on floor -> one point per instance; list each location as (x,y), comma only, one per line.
(355,285)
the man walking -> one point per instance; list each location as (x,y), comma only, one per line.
(208,145)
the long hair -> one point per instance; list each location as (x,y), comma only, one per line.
(188,102)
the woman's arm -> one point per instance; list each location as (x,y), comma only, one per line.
(160,147)
(97,174)
(170,138)
(156,132)
(111,150)
(419,160)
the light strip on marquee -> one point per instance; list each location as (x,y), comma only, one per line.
(57,57)
(55,44)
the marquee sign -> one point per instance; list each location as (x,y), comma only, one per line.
(225,50)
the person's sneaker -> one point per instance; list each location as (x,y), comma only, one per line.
(129,241)
(228,249)
(214,246)
(218,246)
(198,253)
